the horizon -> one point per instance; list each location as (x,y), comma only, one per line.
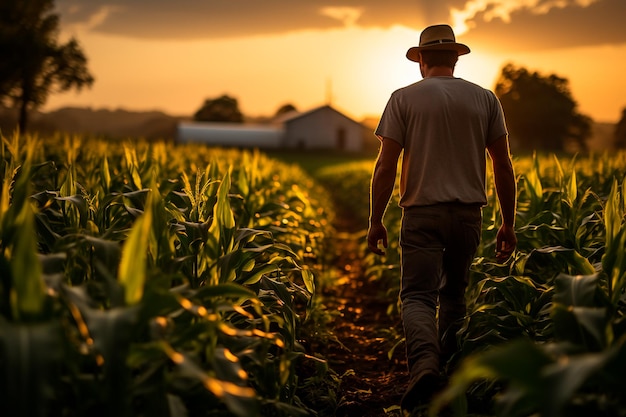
(170,58)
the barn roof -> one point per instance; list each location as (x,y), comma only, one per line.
(291,116)
(227,126)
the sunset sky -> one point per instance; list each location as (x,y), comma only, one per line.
(172,55)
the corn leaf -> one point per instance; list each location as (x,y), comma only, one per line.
(240,399)
(133,166)
(28,293)
(613,214)
(31,357)
(113,332)
(576,290)
(105,176)
(572,188)
(309,280)
(223,225)
(132,271)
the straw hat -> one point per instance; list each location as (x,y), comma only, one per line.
(437,37)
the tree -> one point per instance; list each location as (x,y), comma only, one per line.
(32,62)
(221,109)
(620,131)
(284,109)
(540,111)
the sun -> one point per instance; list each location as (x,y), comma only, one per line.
(479,67)
(371,65)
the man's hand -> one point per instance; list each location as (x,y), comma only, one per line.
(505,242)
(376,234)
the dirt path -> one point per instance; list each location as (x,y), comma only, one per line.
(371,381)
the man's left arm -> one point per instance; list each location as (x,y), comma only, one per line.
(504,177)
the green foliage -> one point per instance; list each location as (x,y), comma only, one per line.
(159,280)
(155,280)
(580,371)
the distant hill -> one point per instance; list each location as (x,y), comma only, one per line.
(117,123)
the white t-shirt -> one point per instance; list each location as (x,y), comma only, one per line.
(444,125)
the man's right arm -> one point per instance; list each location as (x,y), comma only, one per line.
(506,190)
(383,180)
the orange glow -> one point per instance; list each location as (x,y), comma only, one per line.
(229,356)
(355,68)
(186,304)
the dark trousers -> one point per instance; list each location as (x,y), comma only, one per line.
(438,245)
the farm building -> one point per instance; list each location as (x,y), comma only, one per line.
(323,128)
(230,134)
(320,128)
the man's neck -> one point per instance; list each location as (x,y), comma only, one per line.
(438,72)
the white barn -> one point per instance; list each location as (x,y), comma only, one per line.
(230,134)
(320,128)
(323,128)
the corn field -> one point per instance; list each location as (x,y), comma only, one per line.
(545,333)
(148,279)
(155,280)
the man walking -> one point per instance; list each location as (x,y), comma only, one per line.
(444,126)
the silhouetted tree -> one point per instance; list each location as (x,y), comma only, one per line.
(285,108)
(32,63)
(620,131)
(540,111)
(221,109)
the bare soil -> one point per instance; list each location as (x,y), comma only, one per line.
(372,383)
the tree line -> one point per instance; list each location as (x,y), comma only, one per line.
(540,110)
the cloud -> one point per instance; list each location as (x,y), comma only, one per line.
(527,24)
(192,19)
(551,24)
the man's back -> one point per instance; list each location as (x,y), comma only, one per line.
(444,125)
